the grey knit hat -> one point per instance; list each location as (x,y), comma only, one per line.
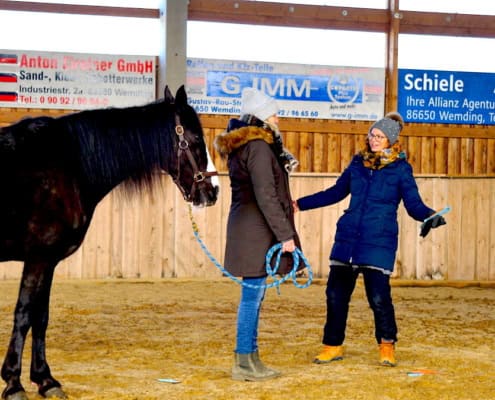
(258,104)
(390,125)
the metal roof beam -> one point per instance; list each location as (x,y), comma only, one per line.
(32,6)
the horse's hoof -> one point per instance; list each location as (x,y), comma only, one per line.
(17,396)
(55,393)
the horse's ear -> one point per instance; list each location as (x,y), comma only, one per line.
(181,96)
(168,96)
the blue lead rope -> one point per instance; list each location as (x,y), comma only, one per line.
(297,255)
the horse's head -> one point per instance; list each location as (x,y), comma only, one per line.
(193,172)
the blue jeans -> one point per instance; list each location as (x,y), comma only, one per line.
(340,285)
(248,315)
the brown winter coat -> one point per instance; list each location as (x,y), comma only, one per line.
(261,212)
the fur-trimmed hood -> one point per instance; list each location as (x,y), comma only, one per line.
(229,141)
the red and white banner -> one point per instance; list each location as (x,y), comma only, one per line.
(75,81)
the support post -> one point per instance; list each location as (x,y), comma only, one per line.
(173,48)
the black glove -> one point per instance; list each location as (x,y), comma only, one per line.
(434,222)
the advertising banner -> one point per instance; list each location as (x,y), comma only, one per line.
(446,97)
(74,81)
(302,91)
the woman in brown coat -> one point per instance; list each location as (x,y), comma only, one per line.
(261,215)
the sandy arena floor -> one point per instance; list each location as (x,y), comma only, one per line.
(114,339)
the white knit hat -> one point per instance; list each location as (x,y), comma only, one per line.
(258,104)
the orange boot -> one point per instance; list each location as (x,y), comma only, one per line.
(387,354)
(329,354)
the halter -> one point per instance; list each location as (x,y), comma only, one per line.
(183,148)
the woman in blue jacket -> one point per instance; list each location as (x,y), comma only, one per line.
(378,179)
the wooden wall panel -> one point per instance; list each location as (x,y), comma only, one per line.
(480,156)
(441,158)
(483,230)
(347,150)
(413,152)
(116,227)
(10,270)
(427,153)
(130,237)
(151,236)
(490,156)
(328,146)
(305,151)
(467,156)
(319,152)
(454,156)
(310,225)
(455,231)
(334,155)
(292,142)
(489,221)
(169,220)
(439,237)
(424,262)
(467,267)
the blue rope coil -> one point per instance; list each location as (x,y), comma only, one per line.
(297,256)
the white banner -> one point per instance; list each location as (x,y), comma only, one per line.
(302,91)
(75,81)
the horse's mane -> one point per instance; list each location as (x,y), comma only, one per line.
(24,137)
(122,144)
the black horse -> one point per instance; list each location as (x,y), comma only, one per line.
(54,172)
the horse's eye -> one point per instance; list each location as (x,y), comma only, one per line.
(196,138)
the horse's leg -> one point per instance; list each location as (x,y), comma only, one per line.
(40,371)
(12,365)
(32,310)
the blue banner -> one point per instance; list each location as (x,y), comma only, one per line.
(301,87)
(446,97)
(301,91)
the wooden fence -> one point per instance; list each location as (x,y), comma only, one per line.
(328,145)
(151,236)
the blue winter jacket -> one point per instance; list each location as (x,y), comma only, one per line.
(367,232)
